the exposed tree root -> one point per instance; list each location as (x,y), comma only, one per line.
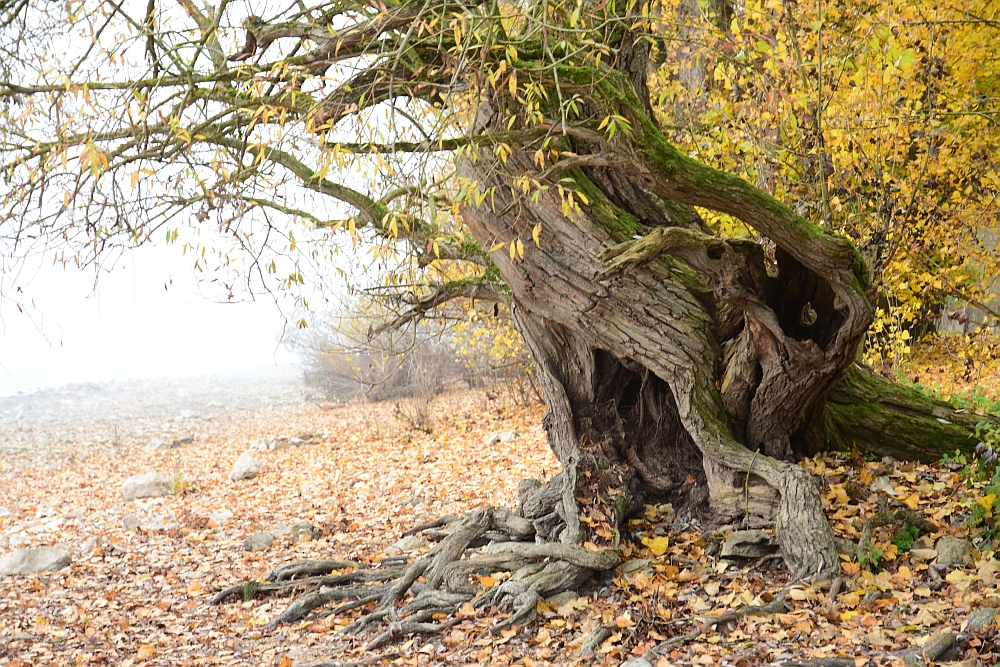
(774,606)
(250,590)
(310,568)
(364,662)
(398,631)
(594,641)
(436,585)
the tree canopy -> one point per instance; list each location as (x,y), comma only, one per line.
(132,122)
(695,211)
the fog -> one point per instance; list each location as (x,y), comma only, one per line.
(147,317)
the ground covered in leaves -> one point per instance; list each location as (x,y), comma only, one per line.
(365,476)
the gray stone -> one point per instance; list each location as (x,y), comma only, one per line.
(408,543)
(94,543)
(300,529)
(156,444)
(148,485)
(280,530)
(953,551)
(281,442)
(163,521)
(413,501)
(131,522)
(562,598)
(221,517)
(246,467)
(918,556)
(981,619)
(630,568)
(258,542)
(38,559)
(637,662)
(748,544)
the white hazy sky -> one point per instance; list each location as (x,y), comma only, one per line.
(128,326)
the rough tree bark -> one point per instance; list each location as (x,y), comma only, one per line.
(675,364)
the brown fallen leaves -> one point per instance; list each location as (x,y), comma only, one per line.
(143,599)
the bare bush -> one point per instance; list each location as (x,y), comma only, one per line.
(345,357)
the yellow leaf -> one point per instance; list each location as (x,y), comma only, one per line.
(513,251)
(487,582)
(520,249)
(987,501)
(536,233)
(657,545)
(145,652)
(496,246)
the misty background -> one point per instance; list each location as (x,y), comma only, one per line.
(147,317)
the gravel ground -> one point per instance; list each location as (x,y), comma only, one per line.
(50,424)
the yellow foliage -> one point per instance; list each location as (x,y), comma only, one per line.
(876,121)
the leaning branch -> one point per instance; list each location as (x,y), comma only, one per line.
(478,288)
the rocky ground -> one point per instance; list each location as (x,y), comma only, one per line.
(52,424)
(150,499)
(331,481)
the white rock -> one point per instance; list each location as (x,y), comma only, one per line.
(5,512)
(883,484)
(147,485)
(34,560)
(260,445)
(221,517)
(501,437)
(19,540)
(408,543)
(156,444)
(162,521)
(246,467)
(94,543)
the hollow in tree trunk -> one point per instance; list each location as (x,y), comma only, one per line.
(675,364)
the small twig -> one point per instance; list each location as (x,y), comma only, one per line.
(374,660)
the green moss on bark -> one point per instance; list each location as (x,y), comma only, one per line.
(885,418)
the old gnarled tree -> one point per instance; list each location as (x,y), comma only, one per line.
(516,141)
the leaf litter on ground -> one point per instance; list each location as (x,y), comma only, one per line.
(144,597)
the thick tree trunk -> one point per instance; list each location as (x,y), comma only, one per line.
(632,367)
(669,356)
(884,418)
